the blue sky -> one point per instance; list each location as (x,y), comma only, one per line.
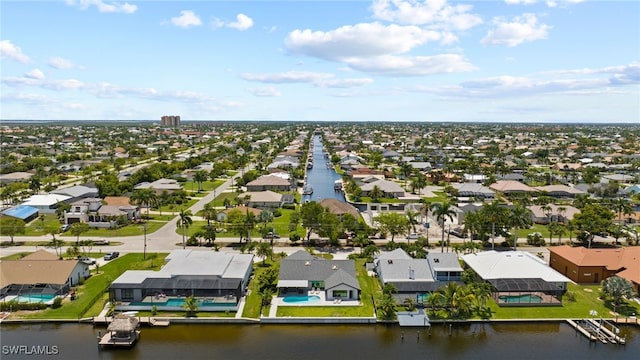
(380,60)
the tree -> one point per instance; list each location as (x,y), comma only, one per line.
(622,207)
(35,184)
(593,219)
(493,213)
(11,227)
(376,193)
(56,244)
(209,213)
(519,218)
(406,169)
(442,211)
(310,214)
(184,221)
(61,209)
(555,228)
(418,183)
(263,250)
(361,241)
(146,197)
(190,305)
(392,223)
(411,219)
(617,289)
(455,299)
(78,229)
(387,303)
(199,177)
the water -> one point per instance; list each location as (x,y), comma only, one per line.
(310,342)
(518,299)
(180,303)
(32,299)
(306,299)
(320,177)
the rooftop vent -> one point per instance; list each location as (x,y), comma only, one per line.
(307,263)
(334,267)
(436,260)
(389,261)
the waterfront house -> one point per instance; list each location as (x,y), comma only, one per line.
(584,265)
(302,272)
(46,203)
(269,182)
(339,208)
(217,279)
(263,199)
(389,189)
(414,278)
(40,273)
(518,278)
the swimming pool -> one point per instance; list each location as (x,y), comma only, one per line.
(33,298)
(179,302)
(521,299)
(303,299)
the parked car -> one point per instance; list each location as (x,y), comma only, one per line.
(111,255)
(87,260)
(65,227)
(101,242)
(271,235)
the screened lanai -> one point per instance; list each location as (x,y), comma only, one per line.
(526,292)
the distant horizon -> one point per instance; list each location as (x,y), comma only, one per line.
(457,61)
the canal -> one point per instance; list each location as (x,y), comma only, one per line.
(320,177)
(309,342)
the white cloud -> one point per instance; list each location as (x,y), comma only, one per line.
(243,22)
(413,65)
(521,29)
(60,63)
(360,40)
(287,77)
(9,51)
(523,2)
(103,7)
(35,74)
(435,14)
(186,19)
(315,78)
(67,84)
(264,92)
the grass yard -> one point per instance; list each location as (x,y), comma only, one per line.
(370,287)
(253,303)
(128,230)
(92,294)
(37,227)
(586,300)
(174,209)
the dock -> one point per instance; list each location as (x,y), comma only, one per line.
(597,331)
(143,320)
(110,340)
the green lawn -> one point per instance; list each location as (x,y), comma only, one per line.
(370,288)
(175,208)
(91,295)
(253,303)
(585,302)
(205,186)
(128,230)
(36,227)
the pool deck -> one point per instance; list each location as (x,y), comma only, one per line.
(279,301)
(15,297)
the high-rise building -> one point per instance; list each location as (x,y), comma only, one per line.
(170,120)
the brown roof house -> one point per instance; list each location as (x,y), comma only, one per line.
(269,182)
(584,265)
(339,208)
(511,187)
(40,273)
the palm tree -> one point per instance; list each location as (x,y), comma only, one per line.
(249,224)
(554,229)
(622,206)
(199,177)
(519,218)
(376,193)
(571,227)
(184,221)
(454,298)
(617,289)
(78,229)
(493,213)
(190,305)
(406,169)
(418,183)
(146,197)
(209,213)
(442,211)
(263,250)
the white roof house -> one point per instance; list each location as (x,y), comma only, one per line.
(45,203)
(493,265)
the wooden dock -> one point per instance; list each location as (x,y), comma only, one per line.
(109,340)
(596,331)
(144,321)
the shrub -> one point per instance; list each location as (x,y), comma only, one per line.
(535,239)
(277,213)
(14,306)
(57,303)
(154,310)
(570,296)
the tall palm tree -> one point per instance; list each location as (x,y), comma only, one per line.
(493,213)
(199,177)
(621,206)
(209,213)
(472,223)
(418,183)
(519,218)
(184,221)
(442,211)
(406,169)
(146,197)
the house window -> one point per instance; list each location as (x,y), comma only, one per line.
(340,293)
(127,294)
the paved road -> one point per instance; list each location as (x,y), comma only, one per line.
(164,239)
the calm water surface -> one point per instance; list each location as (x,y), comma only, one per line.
(321,178)
(322,342)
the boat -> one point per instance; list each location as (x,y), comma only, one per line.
(308,190)
(337,185)
(310,165)
(121,332)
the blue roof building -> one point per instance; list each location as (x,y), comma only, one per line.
(22,212)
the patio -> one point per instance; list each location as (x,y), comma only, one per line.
(280,300)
